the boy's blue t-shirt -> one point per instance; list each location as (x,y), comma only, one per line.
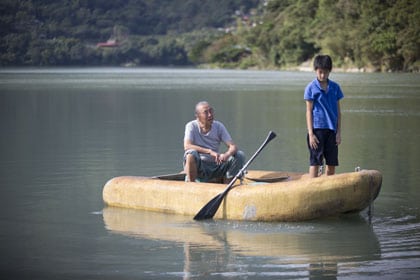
(325,109)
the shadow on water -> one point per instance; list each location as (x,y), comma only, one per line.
(220,247)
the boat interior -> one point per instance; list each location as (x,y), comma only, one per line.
(252,175)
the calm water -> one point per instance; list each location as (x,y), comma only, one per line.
(65,132)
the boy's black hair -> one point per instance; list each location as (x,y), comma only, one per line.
(323,62)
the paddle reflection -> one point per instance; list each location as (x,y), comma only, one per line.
(219,247)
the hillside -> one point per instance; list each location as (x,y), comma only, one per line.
(378,35)
(366,35)
(45,32)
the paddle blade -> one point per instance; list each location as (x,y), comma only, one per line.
(210,209)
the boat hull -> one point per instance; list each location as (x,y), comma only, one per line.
(296,198)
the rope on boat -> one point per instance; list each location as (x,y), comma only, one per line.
(370,211)
(371,185)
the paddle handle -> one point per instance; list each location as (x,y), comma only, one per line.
(271,135)
(208,210)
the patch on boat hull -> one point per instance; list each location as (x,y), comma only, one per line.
(250,212)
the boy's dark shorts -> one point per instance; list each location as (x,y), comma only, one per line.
(327,148)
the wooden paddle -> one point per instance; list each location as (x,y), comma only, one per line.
(210,209)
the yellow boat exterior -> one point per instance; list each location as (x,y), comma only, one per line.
(296,198)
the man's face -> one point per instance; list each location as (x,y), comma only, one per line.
(205,114)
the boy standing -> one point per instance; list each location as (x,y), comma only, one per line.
(323,117)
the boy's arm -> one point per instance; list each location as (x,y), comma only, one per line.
(338,134)
(309,117)
(313,141)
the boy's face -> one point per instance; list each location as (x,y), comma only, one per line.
(322,74)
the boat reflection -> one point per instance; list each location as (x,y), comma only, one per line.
(316,247)
(157,226)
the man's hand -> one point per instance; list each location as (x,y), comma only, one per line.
(219,158)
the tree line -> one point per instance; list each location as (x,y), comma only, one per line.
(376,35)
(381,35)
